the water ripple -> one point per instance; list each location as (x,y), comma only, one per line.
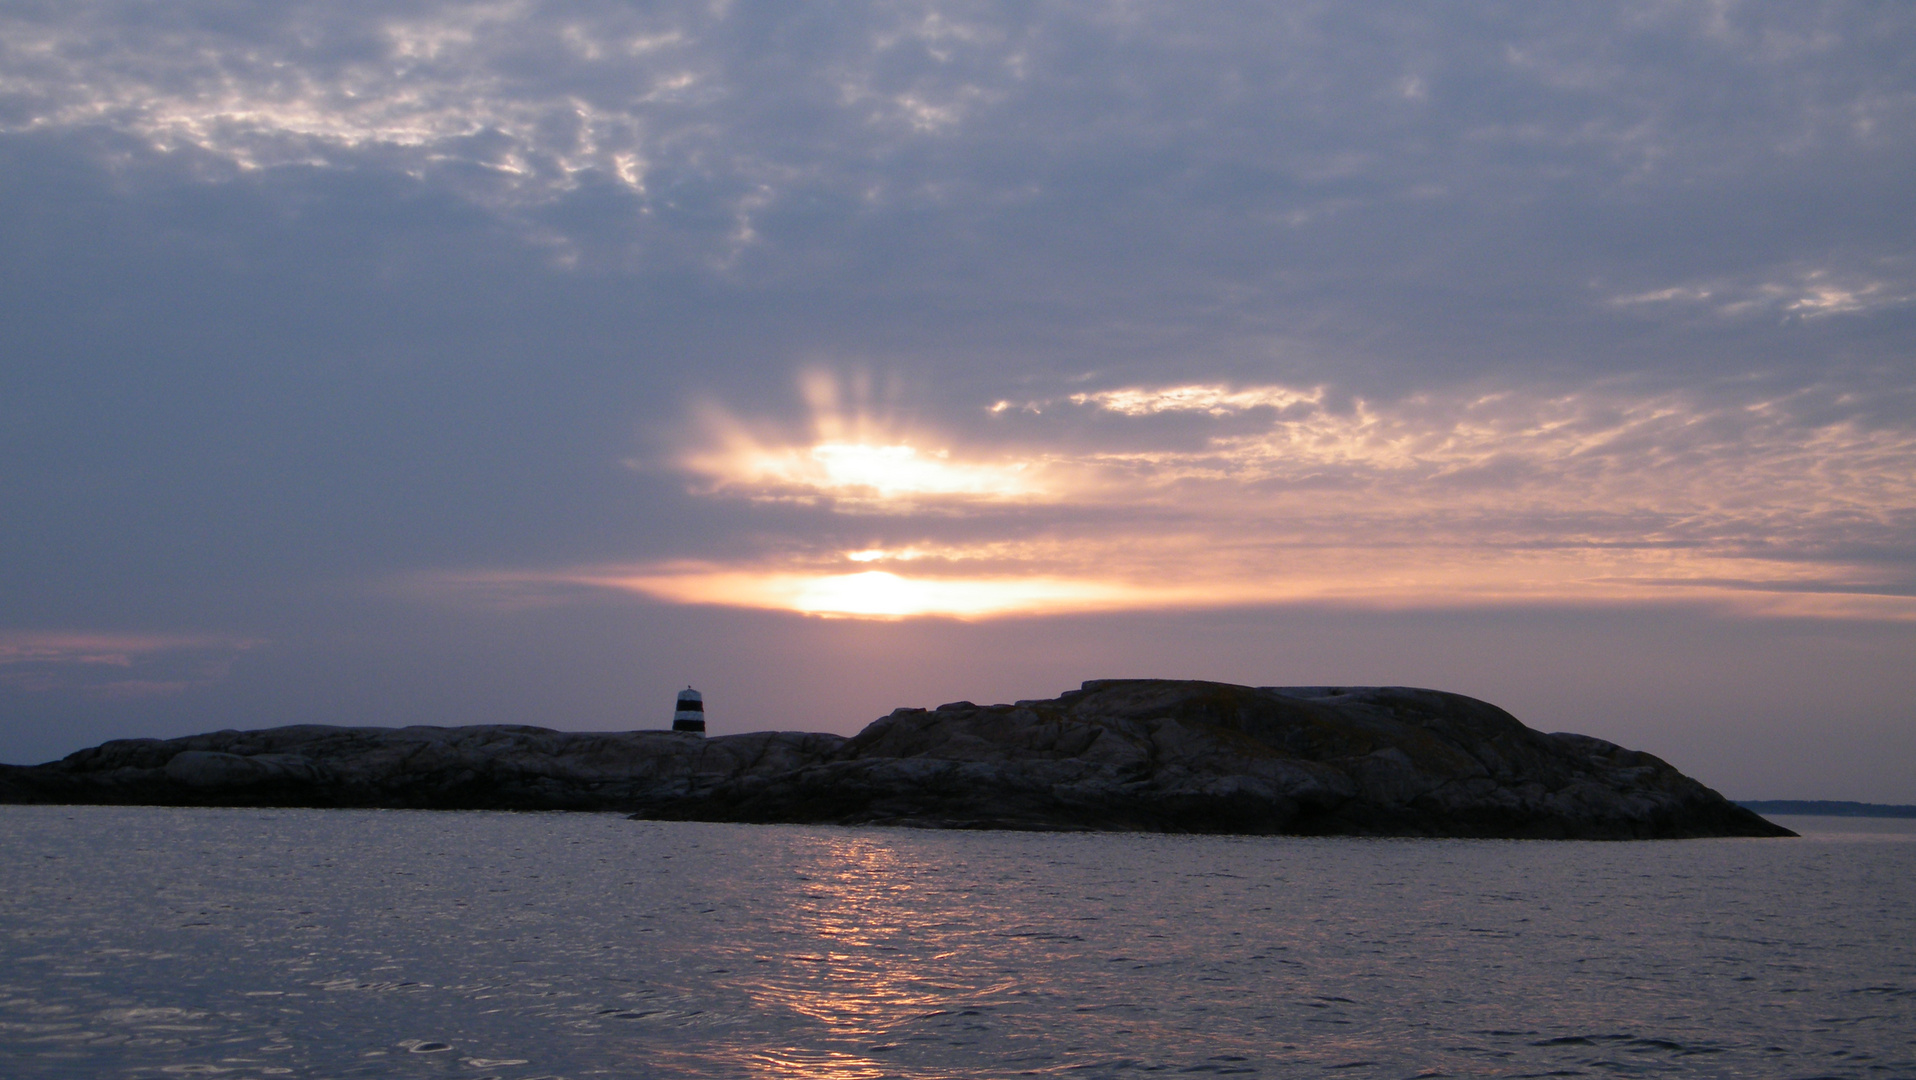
(171,943)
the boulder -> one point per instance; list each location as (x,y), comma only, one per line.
(212,770)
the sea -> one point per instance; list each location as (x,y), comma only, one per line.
(144,943)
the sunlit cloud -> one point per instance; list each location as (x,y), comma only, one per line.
(1090,574)
(1213,399)
(852,456)
(424,91)
(1700,467)
(518,103)
(1806,294)
(876,554)
(879,593)
(1791,505)
(505,101)
(858,472)
(1087,490)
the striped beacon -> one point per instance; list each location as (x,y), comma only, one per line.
(691,712)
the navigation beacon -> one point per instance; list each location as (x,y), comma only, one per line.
(691,712)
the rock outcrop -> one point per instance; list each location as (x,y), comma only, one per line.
(1122,754)
(489,767)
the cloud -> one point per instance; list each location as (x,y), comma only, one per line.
(516,103)
(1159,308)
(1213,399)
(1799,504)
(1599,448)
(1248,123)
(115,666)
(1805,294)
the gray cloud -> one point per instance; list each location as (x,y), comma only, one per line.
(115,668)
(1264,149)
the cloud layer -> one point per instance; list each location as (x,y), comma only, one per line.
(751,139)
(115,667)
(321,321)
(1264,494)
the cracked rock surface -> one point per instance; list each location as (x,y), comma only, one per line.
(1119,754)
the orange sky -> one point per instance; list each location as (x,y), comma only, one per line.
(1272,494)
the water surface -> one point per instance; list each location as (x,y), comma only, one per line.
(146,942)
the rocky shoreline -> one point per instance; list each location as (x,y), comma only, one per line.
(1118,754)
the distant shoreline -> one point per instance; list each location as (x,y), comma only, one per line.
(1827,808)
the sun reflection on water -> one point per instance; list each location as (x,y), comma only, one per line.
(375,944)
(859,968)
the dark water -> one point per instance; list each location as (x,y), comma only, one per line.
(148,943)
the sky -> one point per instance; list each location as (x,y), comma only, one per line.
(524,362)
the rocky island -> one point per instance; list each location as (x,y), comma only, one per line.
(1118,754)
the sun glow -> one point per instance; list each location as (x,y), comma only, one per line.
(1295,496)
(860,472)
(1141,573)
(902,470)
(853,457)
(870,593)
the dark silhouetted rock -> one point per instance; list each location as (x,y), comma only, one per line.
(1123,754)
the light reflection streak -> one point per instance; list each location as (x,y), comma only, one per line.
(859,924)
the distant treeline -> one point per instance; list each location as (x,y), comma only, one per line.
(1826,808)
